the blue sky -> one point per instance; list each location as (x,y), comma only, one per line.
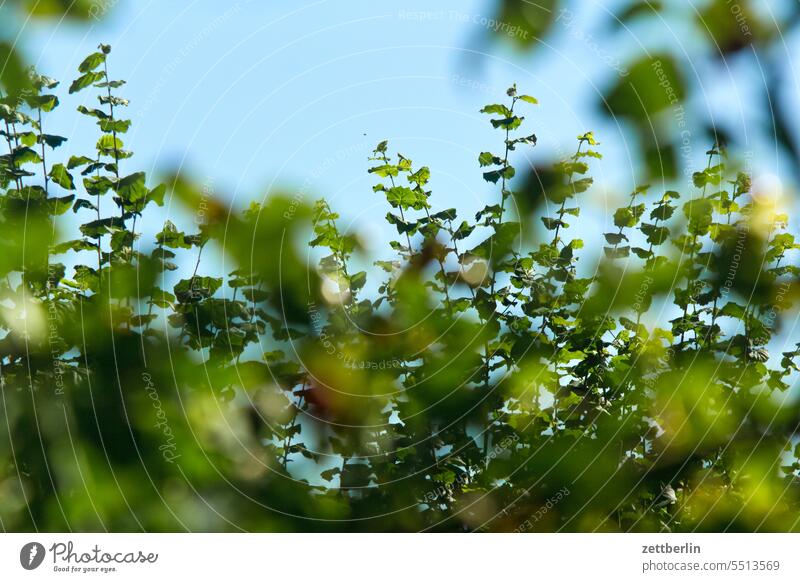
(255,97)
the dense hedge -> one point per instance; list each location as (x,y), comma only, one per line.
(474,379)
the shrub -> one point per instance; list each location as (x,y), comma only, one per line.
(482,382)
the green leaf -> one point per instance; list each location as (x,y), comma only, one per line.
(656,235)
(617,252)
(98,228)
(28,138)
(132,188)
(44,102)
(402,197)
(402,226)
(196,288)
(496,247)
(487,159)
(509,123)
(529,99)
(172,238)
(111,146)
(92,112)
(449,214)
(112,84)
(421,176)
(157,194)
(614,238)
(121,239)
(733,310)
(60,175)
(552,223)
(116,125)
(495,175)
(329,474)
(115,101)
(53,141)
(581,185)
(663,212)
(81,203)
(161,298)
(384,170)
(628,216)
(497,108)
(74,245)
(91,62)
(78,161)
(97,185)
(24,155)
(357,281)
(84,81)
(463,231)
(60,205)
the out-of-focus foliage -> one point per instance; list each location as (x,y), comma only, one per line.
(665,52)
(17,13)
(481,383)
